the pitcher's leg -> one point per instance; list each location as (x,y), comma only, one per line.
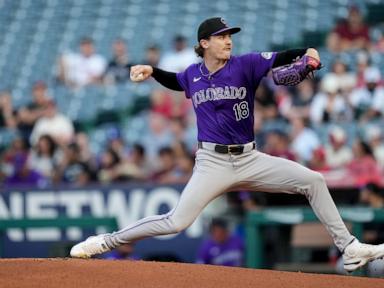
(273,174)
(204,185)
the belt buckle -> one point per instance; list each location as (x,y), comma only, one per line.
(235,149)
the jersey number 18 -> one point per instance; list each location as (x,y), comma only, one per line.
(241,110)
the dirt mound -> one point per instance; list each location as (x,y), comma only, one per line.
(103,273)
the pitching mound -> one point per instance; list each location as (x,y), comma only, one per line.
(102,273)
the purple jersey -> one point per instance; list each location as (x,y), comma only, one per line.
(229,253)
(224,101)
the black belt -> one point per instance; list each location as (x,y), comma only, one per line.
(235,149)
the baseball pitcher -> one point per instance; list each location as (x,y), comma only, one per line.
(222,89)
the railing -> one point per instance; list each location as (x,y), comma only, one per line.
(357,216)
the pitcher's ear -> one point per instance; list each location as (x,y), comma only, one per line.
(204,43)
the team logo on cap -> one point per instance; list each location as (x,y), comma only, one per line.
(223,21)
(267,55)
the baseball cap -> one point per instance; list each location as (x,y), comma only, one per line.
(214,26)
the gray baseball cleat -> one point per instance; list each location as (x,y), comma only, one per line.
(358,254)
(91,246)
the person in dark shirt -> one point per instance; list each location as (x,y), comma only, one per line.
(118,68)
(72,170)
(28,115)
(24,175)
(221,248)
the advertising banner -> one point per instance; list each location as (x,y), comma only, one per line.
(127,203)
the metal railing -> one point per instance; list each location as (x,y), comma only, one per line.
(255,221)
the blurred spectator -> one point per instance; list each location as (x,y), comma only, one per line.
(136,167)
(122,252)
(178,127)
(346,79)
(265,103)
(180,58)
(373,196)
(161,102)
(44,156)
(318,161)
(159,135)
(368,101)
(351,33)
(86,155)
(304,139)
(109,163)
(363,167)
(328,105)
(71,169)
(221,248)
(23,175)
(299,102)
(337,152)
(18,147)
(175,165)
(152,56)
(7,113)
(170,104)
(363,61)
(183,171)
(375,140)
(119,66)
(55,124)
(166,164)
(116,142)
(379,43)
(81,69)
(28,115)
(372,78)
(277,144)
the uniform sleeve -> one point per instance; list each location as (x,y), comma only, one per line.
(258,64)
(167,79)
(288,56)
(183,82)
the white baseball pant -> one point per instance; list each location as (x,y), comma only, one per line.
(215,174)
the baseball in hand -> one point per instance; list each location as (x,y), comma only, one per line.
(137,77)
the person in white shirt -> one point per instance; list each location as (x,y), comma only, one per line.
(180,58)
(304,139)
(368,101)
(337,153)
(84,68)
(328,105)
(374,138)
(54,124)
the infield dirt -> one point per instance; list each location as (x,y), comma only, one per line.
(106,273)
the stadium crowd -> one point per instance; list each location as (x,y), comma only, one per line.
(310,123)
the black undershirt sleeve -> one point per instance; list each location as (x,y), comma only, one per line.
(167,79)
(287,56)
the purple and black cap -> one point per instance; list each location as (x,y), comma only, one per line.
(214,26)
